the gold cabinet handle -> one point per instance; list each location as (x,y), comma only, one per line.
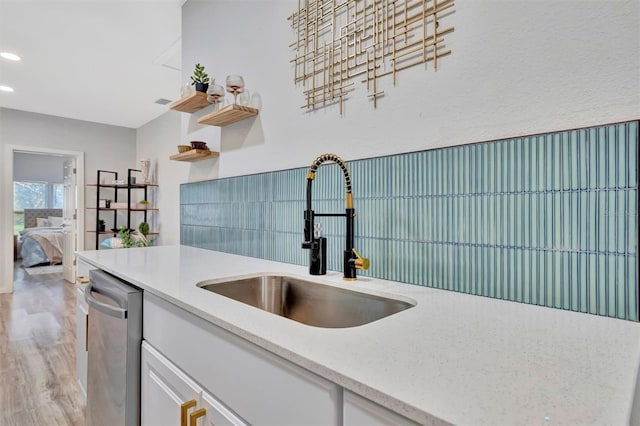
(183,411)
(82,280)
(193,418)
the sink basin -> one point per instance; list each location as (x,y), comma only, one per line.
(308,302)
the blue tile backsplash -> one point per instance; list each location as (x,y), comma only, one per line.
(548,219)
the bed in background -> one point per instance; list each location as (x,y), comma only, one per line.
(41,240)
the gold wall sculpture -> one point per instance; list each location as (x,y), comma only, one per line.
(341,41)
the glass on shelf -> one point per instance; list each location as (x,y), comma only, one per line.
(235,86)
(186,90)
(244,98)
(215,94)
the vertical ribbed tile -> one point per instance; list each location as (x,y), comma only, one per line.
(612,156)
(545,219)
(591,165)
(527,274)
(582,165)
(575,160)
(632,287)
(632,221)
(602,155)
(542,163)
(632,157)
(579,230)
(621,162)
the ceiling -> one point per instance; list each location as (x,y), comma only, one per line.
(105,61)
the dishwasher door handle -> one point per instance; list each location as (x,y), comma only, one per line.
(103,307)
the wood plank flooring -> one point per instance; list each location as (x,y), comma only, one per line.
(37,353)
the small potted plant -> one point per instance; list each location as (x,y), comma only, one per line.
(125,235)
(101,225)
(142,236)
(107,203)
(143,228)
(143,204)
(200,79)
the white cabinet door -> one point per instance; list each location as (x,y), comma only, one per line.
(164,391)
(216,413)
(82,318)
(359,411)
(262,388)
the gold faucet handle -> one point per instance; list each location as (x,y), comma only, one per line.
(361,262)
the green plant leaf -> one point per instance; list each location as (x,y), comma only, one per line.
(199,76)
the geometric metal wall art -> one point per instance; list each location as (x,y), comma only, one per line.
(341,42)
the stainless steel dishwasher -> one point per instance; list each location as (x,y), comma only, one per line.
(113,366)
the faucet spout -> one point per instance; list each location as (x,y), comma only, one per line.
(351,258)
(311,175)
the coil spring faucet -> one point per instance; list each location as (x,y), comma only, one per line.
(317,261)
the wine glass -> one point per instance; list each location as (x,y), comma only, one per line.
(186,90)
(215,93)
(235,86)
(244,98)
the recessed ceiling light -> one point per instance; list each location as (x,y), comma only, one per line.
(10,56)
(6,89)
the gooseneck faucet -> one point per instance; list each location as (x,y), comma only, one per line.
(317,261)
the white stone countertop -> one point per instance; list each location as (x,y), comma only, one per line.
(452,358)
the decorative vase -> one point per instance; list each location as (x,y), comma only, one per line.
(145,165)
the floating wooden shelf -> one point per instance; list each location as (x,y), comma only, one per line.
(191,103)
(228,115)
(194,155)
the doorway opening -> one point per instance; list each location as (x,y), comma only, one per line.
(51,208)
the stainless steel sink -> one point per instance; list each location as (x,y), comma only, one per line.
(308,302)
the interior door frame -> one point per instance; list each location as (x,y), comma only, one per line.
(6,263)
(69,213)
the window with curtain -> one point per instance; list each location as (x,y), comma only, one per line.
(34,195)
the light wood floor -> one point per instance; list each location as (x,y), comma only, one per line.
(37,353)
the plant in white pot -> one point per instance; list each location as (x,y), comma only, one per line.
(130,238)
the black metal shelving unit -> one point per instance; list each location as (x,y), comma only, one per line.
(116,187)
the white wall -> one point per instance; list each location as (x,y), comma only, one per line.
(158,140)
(517,67)
(38,168)
(105,147)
